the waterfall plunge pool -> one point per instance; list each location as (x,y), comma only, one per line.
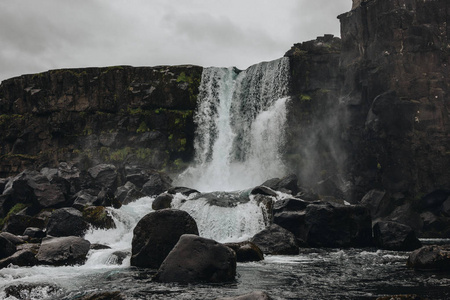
(313,274)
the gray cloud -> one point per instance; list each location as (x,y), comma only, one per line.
(40,35)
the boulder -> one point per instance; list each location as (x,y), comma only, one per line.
(66,222)
(246,251)
(162,201)
(290,204)
(182,190)
(156,184)
(195,259)
(17,223)
(334,225)
(104,176)
(285,184)
(106,198)
(7,248)
(128,193)
(395,236)
(58,251)
(16,240)
(256,295)
(276,240)
(84,198)
(157,233)
(21,258)
(98,217)
(136,175)
(34,233)
(263,190)
(430,258)
(34,290)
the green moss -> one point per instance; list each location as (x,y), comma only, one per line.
(142,128)
(14,210)
(304,97)
(112,68)
(170,137)
(144,153)
(299,52)
(120,154)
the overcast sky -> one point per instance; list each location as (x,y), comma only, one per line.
(36,36)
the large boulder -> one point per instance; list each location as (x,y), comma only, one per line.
(7,248)
(334,225)
(104,176)
(430,258)
(60,251)
(17,223)
(21,258)
(195,259)
(276,240)
(128,193)
(156,184)
(286,184)
(182,190)
(246,251)
(157,233)
(395,236)
(84,198)
(66,222)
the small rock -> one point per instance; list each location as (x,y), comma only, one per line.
(430,258)
(246,251)
(162,201)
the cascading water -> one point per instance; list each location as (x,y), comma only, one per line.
(240,127)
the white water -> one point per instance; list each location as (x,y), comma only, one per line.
(240,127)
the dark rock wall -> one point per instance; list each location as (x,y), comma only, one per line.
(116,115)
(396,81)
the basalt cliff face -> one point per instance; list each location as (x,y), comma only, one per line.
(116,115)
(368,116)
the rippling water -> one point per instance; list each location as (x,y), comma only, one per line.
(313,274)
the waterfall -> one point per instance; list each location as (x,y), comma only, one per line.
(240,127)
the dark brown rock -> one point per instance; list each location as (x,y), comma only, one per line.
(66,222)
(162,201)
(157,233)
(430,258)
(276,240)
(246,251)
(195,259)
(60,251)
(395,236)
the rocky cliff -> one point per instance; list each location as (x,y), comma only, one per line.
(115,115)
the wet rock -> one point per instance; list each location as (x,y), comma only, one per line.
(66,222)
(117,257)
(290,205)
(263,190)
(7,248)
(16,240)
(276,240)
(17,223)
(84,198)
(128,193)
(162,201)
(377,202)
(395,236)
(288,183)
(294,221)
(98,217)
(106,198)
(103,296)
(34,233)
(246,251)
(104,176)
(195,259)
(21,258)
(430,258)
(333,225)
(58,251)
(156,184)
(136,175)
(157,233)
(256,295)
(182,190)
